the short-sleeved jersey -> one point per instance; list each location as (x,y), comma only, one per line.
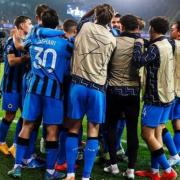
(12,78)
(48,63)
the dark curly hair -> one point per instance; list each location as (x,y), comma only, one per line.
(160,24)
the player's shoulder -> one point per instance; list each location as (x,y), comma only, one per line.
(9,40)
(9,44)
(61,40)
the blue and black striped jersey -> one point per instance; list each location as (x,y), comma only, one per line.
(49,58)
(12,78)
(151,60)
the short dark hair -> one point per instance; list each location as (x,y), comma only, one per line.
(177,24)
(104,14)
(68,24)
(40,9)
(117,15)
(160,24)
(50,19)
(130,22)
(20,19)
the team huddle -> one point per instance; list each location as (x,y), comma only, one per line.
(98,67)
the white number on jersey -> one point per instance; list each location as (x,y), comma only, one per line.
(42,62)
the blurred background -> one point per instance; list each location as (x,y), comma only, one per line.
(75,9)
(146,9)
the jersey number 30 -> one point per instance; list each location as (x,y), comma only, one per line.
(42,56)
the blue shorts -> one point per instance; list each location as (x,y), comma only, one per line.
(50,109)
(153,116)
(11,101)
(83,100)
(175,111)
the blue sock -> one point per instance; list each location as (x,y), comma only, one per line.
(31,148)
(89,156)
(62,150)
(22,145)
(18,129)
(71,151)
(154,163)
(163,161)
(177,140)
(119,132)
(4,127)
(168,141)
(161,158)
(51,154)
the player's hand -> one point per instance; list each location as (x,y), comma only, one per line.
(14,32)
(139,40)
(25,58)
(17,36)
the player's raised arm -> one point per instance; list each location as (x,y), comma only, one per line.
(47,32)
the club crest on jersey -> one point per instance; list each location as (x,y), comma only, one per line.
(10,106)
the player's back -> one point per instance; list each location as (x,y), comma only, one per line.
(94,46)
(48,58)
